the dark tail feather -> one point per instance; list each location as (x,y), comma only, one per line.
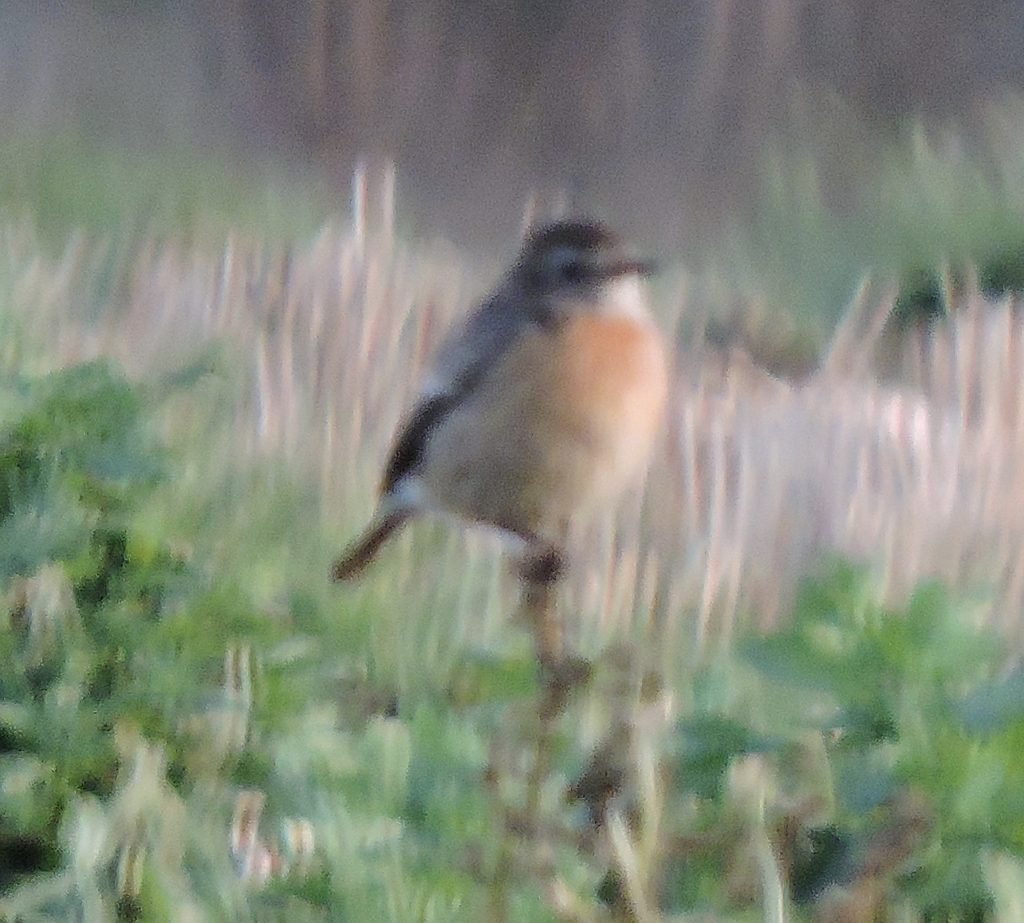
(361,552)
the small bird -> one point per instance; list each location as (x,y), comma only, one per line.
(541,405)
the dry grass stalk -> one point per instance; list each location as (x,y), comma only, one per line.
(758,478)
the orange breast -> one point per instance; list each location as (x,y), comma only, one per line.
(612,373)
(559,424)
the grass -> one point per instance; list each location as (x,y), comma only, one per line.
(61,181)
(163,713)
(195,725)
(921,203)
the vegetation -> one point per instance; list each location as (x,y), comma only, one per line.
(195,725)
(71,179)
(929,211)
(172,745)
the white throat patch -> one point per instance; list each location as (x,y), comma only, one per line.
(624,297)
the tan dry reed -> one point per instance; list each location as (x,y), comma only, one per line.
(757,481)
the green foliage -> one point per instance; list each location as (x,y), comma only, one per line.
(923,292)
(66,181)
(919,731)
(920,205)
(91,643)
(152,685)
(164,657)
(171,649)
(710,743)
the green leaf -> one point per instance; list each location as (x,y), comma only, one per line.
(708,744)
(484,677)
(995,705)
(864,779)
(797,660)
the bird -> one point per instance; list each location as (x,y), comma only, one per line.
(540,406)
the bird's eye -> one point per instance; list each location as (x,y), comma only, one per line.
(574,271)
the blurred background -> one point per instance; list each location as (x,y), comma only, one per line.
(658,114)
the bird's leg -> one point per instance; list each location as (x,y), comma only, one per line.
(544,566)
(561,673)
(540,573)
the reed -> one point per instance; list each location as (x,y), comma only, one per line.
(757,479)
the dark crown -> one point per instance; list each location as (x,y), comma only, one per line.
(575,235)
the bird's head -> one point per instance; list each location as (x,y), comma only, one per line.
(581,261)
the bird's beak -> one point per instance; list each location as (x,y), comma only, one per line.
(627,268)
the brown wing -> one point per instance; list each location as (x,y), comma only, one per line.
(461,362)
(407,452)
